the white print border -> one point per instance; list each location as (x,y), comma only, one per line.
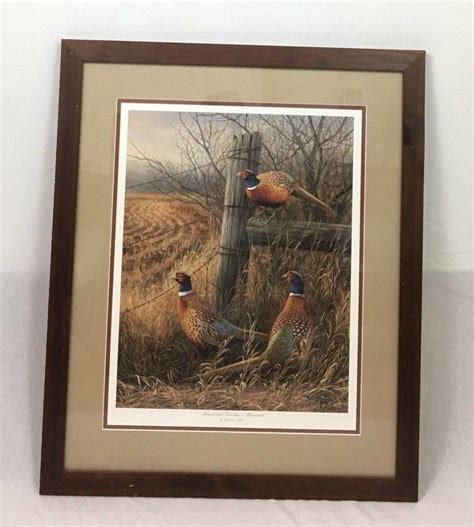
(230,420)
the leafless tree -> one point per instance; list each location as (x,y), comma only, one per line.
(317,150)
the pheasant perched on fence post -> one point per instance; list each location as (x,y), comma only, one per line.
(200,324)
(272,189)
(291,326)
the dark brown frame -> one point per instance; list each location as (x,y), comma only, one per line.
(404,486)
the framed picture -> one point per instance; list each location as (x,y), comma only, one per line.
(235,298)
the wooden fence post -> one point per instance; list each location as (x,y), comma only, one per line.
(233,245)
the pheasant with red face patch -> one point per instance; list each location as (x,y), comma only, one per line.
(200,324)
(272,189)
(292,325)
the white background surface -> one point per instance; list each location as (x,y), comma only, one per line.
(30,72)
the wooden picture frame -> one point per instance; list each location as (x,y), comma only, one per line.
(55,479)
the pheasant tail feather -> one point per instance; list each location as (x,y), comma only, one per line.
(226,330)
(305,195)
(224,370)
(248,333)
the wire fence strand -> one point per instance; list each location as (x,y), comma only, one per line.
(207,262)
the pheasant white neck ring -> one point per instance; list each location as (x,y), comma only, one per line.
(185,293)
(301,295)
(251,182)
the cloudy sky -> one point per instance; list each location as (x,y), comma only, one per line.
(153,132)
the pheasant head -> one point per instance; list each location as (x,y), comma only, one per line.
(296,282)
(184,284)
(249,178)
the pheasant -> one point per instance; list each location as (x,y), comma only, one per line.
(291,326)
(200,324)
(272,189)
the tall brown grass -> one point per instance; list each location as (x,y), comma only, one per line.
(156,360)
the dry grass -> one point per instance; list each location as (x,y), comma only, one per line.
(155,359)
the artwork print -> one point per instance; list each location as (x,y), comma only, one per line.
(235,284)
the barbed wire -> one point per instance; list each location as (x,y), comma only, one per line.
(126,311)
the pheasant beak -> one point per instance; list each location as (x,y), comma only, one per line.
(286,276)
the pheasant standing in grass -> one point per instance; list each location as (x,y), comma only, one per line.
(200,324)
(272,189)
(291,326)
